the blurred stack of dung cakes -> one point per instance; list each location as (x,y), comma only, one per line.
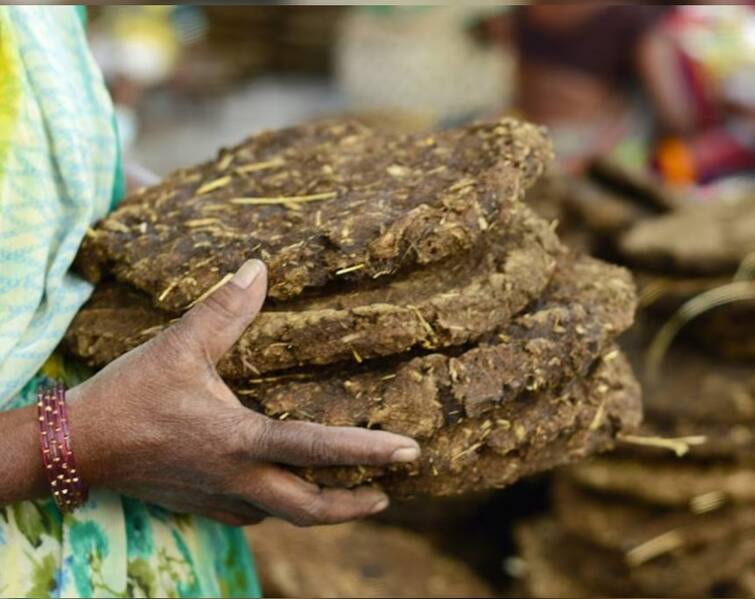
(595,208)
(672,512)
(358,559)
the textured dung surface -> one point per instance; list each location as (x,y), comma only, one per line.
(708,239)
(330,200)
(672,482)
(495,412)
(622,525)
(585,306)
(709,570)
(523,435)
(449,303)
(356,560)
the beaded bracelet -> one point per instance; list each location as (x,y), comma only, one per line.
(68,490)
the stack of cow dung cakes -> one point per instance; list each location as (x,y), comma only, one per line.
(644,531)
(358,559)
(596,208)
(643,521)
(410,290)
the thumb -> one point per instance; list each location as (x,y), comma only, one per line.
(216,323)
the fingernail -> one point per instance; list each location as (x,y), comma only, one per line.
(405,454)
(380,505)
(246,275)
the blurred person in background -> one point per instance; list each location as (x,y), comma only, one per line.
(139,48)
(666,87)
(577,66)
(173,458)
(425,62)
(699,69)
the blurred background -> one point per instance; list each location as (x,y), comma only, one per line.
(652,113)
(668,89)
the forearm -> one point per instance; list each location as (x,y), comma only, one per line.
(21,473)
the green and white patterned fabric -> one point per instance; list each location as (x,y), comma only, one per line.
(59,174)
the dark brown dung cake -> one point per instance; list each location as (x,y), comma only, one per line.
(645,527)
(410,290)
(710,239)
(328,201)
(356,560)
(449,303)
(643,522)
(520,438)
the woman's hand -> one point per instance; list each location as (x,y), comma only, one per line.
(159,424)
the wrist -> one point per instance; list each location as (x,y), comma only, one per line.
(61,468)
(89,440)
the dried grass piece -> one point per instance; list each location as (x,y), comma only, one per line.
(652,548)
(680,445)
(284,200)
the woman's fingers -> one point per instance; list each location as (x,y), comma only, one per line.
(215,324)
(287,496)
(308,444)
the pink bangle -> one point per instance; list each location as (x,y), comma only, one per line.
(68,490)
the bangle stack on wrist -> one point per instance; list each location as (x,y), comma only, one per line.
(68,490)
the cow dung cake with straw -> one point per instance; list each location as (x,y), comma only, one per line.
(410,289)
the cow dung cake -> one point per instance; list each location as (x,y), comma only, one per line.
(706,240)
(358,559)
(324,202)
